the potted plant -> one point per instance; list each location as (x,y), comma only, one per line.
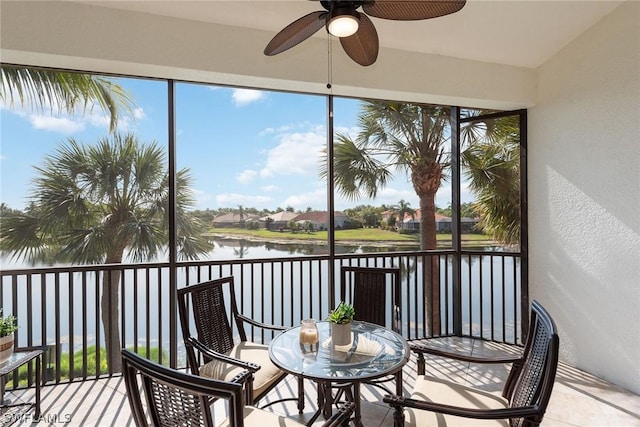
(8,326)
(340,319)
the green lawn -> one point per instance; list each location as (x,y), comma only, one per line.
(23,371)
(359,234)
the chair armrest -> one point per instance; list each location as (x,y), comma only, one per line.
(479,414)
(259,324)
(423,349)
(242,377)
(252,367)
(32,348)
(341,416)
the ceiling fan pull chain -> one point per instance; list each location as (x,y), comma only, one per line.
(329,63)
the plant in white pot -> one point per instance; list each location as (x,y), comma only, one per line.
(8,326)
(340,319)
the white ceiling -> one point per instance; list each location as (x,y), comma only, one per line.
(522,33)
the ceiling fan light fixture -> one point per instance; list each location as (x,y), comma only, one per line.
(357,34)
(343,22)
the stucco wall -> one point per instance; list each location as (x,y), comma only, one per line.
(584,197)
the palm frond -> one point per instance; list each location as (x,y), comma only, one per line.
(63,91)
(357,172)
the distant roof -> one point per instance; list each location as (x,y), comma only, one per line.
(439,217)
(234,217)
(280,216)
(317,216)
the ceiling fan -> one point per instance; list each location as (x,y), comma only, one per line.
(357,34)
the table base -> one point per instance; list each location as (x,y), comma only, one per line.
(326,399)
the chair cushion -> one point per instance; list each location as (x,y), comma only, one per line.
(254,417)
(248,352)
(436,390)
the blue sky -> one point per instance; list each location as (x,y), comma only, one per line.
(244,147)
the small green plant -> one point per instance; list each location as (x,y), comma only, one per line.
(343,313)
(8,324)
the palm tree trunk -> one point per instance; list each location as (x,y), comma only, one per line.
(111,319)
(431,270)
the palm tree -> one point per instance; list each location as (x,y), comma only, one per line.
(92,204)
(411,138)
(65,91)
(403,209)
(492,159)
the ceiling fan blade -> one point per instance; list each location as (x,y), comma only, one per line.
(362,47)
(410,10)
(296,32)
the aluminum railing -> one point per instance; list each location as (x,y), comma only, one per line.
(60,306)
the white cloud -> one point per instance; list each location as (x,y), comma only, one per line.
(296,154)
(316,199)
(52,117)
(235,199)
(246,96)
(391,196)
(139,113)
(443,197)
(281,129)
(102,121)
(246,176)
(270,188)
(56,124)
(201,198)
(351,132)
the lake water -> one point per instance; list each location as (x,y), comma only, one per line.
(489,280)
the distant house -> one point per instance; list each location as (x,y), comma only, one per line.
(467,225)
(234,220)
(443,223)
(410,221)
(320,219)
(386,215)
(278,220)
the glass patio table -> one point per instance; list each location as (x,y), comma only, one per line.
(14,412)
(374,352)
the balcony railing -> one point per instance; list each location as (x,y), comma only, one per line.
(60,306)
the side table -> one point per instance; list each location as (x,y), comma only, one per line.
(21,356)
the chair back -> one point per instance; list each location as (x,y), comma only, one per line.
(369,289)
(530,383)
(175,398)
(209,315)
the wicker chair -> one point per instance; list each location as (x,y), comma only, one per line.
(175,398)
(212,351)
(524,397)
(368,288)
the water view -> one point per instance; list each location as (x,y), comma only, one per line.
(265,290)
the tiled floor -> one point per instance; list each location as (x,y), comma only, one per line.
(578,399)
